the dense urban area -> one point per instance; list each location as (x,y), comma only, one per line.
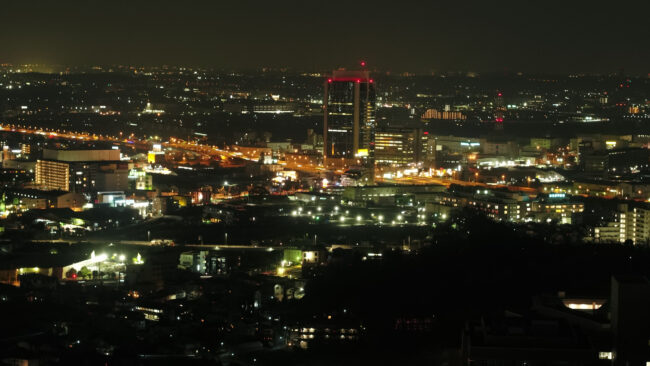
(178,215)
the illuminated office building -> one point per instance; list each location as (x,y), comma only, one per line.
(82,171)
(400,146)
(499,109)
(449,115)
(349,117)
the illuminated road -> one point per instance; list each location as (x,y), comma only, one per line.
(449,181)
(227,156)
(130,141)
(430,180)
(216,246)
(70,135)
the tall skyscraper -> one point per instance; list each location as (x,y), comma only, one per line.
(349,119)
(499,110)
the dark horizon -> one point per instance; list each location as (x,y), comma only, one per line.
(40,68)
(550,38)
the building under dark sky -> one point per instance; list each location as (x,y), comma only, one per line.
(349,115)
(540,36)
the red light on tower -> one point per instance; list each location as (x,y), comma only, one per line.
(358,80)
(371,81)
(329,80)
(500,94)
(363,64)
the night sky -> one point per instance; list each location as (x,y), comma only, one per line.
(405,35)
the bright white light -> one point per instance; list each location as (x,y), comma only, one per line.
(608,356)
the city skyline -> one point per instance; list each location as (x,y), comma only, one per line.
(324,183)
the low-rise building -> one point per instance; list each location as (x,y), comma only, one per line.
(193,261)
(41,200)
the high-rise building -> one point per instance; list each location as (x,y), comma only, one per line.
(349,118)
(499,110)
(53,175)
(631,224)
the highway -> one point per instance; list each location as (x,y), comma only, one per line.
(227,156)
(130,141)
(215,246)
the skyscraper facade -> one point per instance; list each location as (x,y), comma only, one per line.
(499,110)
(349,117)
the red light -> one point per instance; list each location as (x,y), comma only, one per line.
(329,80)
(426,132)
(351,80)
(363,63)
(500,94)
(371,81)
(499,119)
(74,275)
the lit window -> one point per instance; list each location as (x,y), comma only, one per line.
(608,356)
